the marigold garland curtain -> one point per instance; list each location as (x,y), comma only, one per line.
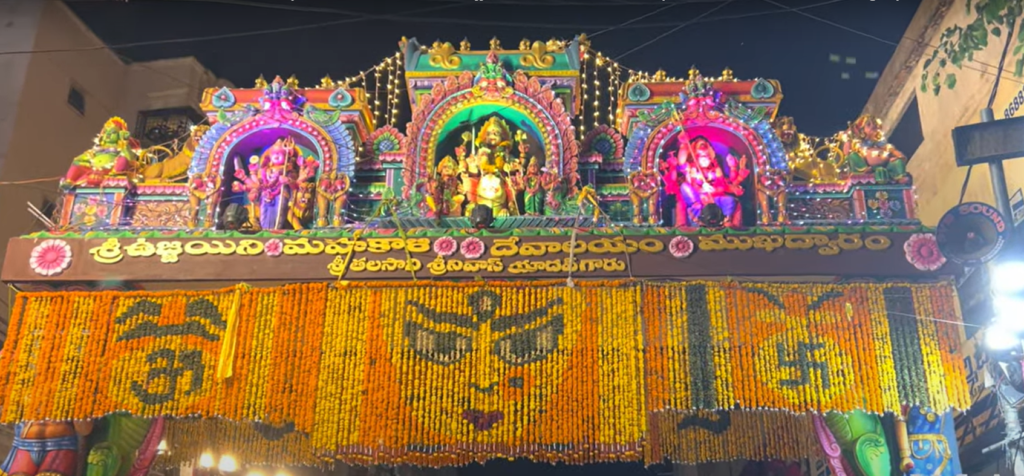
(446,373)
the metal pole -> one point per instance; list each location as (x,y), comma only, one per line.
(998,176)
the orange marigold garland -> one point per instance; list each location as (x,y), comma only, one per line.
(448,373)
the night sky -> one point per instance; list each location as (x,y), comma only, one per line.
(768,42)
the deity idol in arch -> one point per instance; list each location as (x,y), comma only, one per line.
(697,178)
(45,448)
(487,169)
(270,181)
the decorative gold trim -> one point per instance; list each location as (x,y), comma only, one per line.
(443,55)
(441,74)
(538,56)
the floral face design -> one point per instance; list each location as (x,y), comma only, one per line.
(479,375)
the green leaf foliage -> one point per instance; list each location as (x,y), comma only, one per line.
(959,44)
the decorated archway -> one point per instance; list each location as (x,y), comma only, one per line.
(704,111)
(263,130)
(533,107)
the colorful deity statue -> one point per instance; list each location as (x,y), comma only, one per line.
(771,194)
(554,189)
(332,194)
(487,169)
(643,191)
(272,179)
(115,153)
(698,178)
(300,207)
(124,445)
(449,198)
(862,439)
(45,448)
(533,193)
(928,446)
(204,191)
(868,152)
(803,157)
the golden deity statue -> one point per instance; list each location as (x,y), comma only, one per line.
(489,169)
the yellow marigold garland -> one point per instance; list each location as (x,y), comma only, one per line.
(447,373)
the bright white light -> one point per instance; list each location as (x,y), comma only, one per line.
(206,460)
(1008,277)
(228,464)
(1009,312)
(162,447)
(998,337)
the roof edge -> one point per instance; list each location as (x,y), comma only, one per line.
(891,97)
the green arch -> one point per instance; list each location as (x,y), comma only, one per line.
(515,117)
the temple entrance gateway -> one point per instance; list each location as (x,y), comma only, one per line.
(669,279)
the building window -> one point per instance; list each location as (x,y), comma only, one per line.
(76,100)
(164,126)
(907,136)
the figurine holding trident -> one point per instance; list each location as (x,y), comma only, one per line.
(695,175)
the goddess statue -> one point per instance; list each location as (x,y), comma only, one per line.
(332,192)
(487,170)
(272,179)
(533,194)
(450,196)
(204,192)
(47,448)
(868,152)
(643,190)
(115,153)
(695,175)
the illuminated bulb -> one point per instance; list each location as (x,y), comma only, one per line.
(206,460)
(228,464)
(162,447)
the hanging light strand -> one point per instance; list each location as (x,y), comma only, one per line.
(396,89)
(377,110)
(586,96)
(613,86)
(598,63)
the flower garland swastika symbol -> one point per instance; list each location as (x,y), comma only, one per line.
(803,364)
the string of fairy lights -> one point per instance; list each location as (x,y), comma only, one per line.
(601,81)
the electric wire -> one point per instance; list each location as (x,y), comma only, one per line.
(225,35)
(634,20)
(677,28)
(413,19)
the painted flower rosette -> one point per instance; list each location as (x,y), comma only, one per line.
(273,247)
(51,257)
(923,252)
(446,246)
(472,248)
(680,247)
